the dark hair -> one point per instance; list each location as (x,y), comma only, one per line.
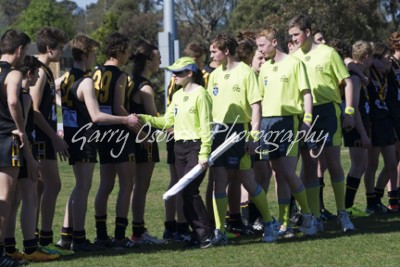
(144,52)
(241,36)
(341,47)
(12,39)
(82,45)
(115,44)
(379,50)
(198,78)
(50,37)
(29,64)
(225,41)
(302,21)
(195,50)
(245,50)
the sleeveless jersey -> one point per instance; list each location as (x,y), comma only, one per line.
(377,92)
(7,124)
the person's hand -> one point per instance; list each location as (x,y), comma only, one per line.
(61,148)
(21,137)
(203,163)
(348,122)
(132,120)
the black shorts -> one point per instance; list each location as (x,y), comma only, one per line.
(277,140)
(236,157)
(81,150)
(396,126)
(10,152)
(326,127)
(353,138)
(382,132)
(147,155)
(111,151)
(170,151)
(44,149)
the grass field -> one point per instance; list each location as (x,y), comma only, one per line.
(375,243)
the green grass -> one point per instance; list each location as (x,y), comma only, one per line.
(375,243)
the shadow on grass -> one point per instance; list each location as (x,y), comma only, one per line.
(364,225)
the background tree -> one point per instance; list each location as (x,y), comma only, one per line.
(10,11)
(42,13)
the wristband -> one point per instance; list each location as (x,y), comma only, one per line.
(255,135)
(349,111)
(307,117)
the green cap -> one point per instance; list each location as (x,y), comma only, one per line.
(183,63)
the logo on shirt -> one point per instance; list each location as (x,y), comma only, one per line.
(186,98)
(284,79)
(275,69)
(236,88)
(265,81)
(319,68)
(176,110)
(307,58)
(192,110)
(215,89)
(226,77)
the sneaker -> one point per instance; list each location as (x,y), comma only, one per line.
(393,208)
(6,261)
(377,209)
(86,246)
(296,219)
(103,242)
(147,239)
(40,256)
(356,212)
(123,243)
(64,244)
(285,232)
(168,235)
(344,220)
(17,255)
(309,225)
(219,239)
(271,230)
(53,249)
(182,237)
(258,225)
(319,222)
(326,215)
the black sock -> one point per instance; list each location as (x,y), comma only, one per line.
(182,228)
(66,234)
(235,220)
(120,227)
(101,227)
(79,237)
(352,185)
(321,192)
(393,198)
(254,213)
(45,237)
(170,226)
(138,229)
(371,200)
(9,245)
(30,246)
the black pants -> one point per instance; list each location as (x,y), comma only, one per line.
(186,157)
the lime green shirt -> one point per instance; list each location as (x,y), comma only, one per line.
(190,113)
(325,70)
(232,93)
(282,83)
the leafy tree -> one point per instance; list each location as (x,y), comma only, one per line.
(336,18)
(9,12)
(42,13)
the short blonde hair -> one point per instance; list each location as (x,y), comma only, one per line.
(361,49)
(269,32)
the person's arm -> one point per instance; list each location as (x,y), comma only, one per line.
(205,121)
(119,96)
(87,94)
(36,92)
(57,84)
(348,121)
(13,85)
(365,140)
(147,95)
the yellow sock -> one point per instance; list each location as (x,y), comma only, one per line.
(284,211)
(259,198)
(312,192)
(339,191)
(220,204)
(301,196)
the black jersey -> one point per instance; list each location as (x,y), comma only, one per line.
(69,79)
(30,124)
(393,94)
(138,82)
(105,79)
(377,94)
(7,123)
(47,104)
